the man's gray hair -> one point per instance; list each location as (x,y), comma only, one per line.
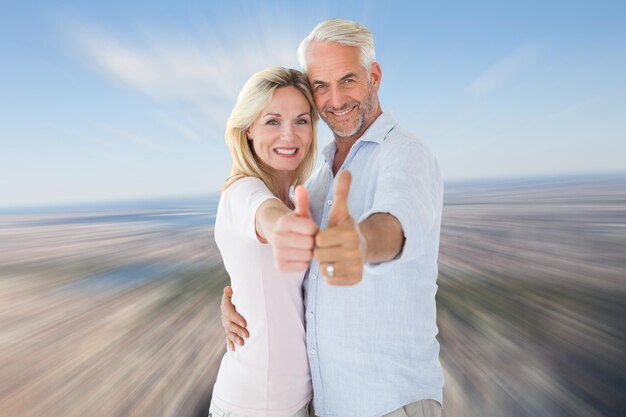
(343,32)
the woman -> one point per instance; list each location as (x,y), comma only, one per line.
(271,134)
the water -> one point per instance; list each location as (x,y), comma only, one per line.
(169,213)
(162,218)
(125,277)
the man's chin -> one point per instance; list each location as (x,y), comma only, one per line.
(342,133)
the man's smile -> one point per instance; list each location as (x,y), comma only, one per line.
(343,112)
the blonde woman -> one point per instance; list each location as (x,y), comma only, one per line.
(271,134)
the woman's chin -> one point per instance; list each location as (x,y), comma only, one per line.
(287,165)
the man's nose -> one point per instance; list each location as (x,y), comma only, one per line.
(337,99)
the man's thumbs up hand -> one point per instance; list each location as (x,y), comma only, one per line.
(341,248)
(339,211)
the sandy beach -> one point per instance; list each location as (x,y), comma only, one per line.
(116,313)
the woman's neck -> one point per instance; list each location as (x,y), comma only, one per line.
(284,184)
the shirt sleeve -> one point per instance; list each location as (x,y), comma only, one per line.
(242,199)
(410,188)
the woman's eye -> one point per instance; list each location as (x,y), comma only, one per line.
(272,122)
(302,121)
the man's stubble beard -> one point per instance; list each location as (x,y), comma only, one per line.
(365,111)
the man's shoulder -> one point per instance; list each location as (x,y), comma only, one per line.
(402,140)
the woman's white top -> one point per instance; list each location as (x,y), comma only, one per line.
(269,375)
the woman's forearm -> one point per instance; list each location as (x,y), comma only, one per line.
(267,217)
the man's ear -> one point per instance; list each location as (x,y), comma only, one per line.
(375,75)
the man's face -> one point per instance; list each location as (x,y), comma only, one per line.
(345,93)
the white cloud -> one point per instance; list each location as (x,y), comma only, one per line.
(612,97)
(505,70)
(197,69)
(184,66)
(136,139)
(63,132)
(188,129)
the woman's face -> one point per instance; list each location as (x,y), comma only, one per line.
(282,134)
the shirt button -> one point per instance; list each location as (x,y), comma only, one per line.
(313,351)
(314,276)
(311,314)
(329,202)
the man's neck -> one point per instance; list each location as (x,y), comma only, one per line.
(343,148)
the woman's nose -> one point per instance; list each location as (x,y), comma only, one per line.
(288,132)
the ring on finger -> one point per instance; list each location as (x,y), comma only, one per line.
(330,269)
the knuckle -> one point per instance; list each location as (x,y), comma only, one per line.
(350,235)
(281,239)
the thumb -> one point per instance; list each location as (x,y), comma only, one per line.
(302,203)
(228,291)
(340,211)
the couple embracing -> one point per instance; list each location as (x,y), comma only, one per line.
(332,307)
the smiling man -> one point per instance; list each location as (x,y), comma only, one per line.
(371,324)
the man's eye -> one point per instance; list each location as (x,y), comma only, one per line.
(348,80)
(319,87)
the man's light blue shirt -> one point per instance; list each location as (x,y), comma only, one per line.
(372,347)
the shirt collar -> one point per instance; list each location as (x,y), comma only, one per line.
(377,132)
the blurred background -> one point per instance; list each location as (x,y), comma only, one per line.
(112,156)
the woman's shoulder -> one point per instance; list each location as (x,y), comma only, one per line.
(245,184)
(245,192)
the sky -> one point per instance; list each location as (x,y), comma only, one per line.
(119,100)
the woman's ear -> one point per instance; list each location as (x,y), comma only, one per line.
(248,134)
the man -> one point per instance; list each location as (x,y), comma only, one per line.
(371,324)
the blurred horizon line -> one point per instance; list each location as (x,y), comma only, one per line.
(201,197)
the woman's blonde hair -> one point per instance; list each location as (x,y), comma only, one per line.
(254,96)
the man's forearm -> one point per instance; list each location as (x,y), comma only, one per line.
(383,236)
